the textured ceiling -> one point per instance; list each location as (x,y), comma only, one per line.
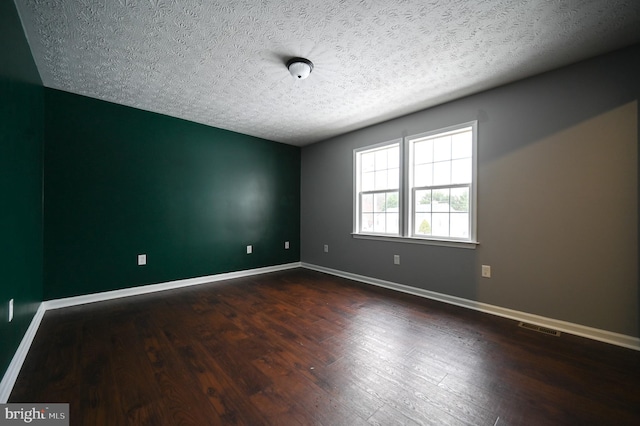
(221,63)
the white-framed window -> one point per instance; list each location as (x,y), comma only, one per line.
(421,187)
(442,183)
(378,189)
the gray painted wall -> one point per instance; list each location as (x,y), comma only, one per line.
(557,198)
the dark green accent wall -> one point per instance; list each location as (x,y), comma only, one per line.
(21,136)
(121,182)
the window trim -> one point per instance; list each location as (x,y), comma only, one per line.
(417,240)
(405,192)
(357,194)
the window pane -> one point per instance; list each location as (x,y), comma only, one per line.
(379,202)
(423,201)
(440,200)
(393,223)
(391,202)
(423,152)
(440,224)
(393,178)
(368,181)
(393,161)
(367,203)
(442,148)
(366,224)
(423,175)
(381,159)
(461,145)
(367,162)
(461,171)
(460,225)
(423,224)
(459,199)
(381,180)
(379,222)
(442,173)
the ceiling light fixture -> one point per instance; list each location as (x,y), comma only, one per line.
(300,67)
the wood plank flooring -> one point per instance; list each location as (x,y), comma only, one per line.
(300,347)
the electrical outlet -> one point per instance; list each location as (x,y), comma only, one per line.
(286,245)
(486,271)
(10,310)
(396,259)
(249,249)
(326,248)
(142,259)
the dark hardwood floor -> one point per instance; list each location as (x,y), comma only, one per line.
(303,348)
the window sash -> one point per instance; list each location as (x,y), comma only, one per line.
(468,213)
(358,192)
(375,214)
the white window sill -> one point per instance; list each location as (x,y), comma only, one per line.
(432,242)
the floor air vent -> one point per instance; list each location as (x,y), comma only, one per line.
(540,329)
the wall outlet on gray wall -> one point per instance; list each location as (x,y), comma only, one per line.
(486,271)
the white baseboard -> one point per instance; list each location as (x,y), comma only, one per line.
(152,288)
(15,365)
(10,376)
(564,326)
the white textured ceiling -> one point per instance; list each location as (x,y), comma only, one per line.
(222,63)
